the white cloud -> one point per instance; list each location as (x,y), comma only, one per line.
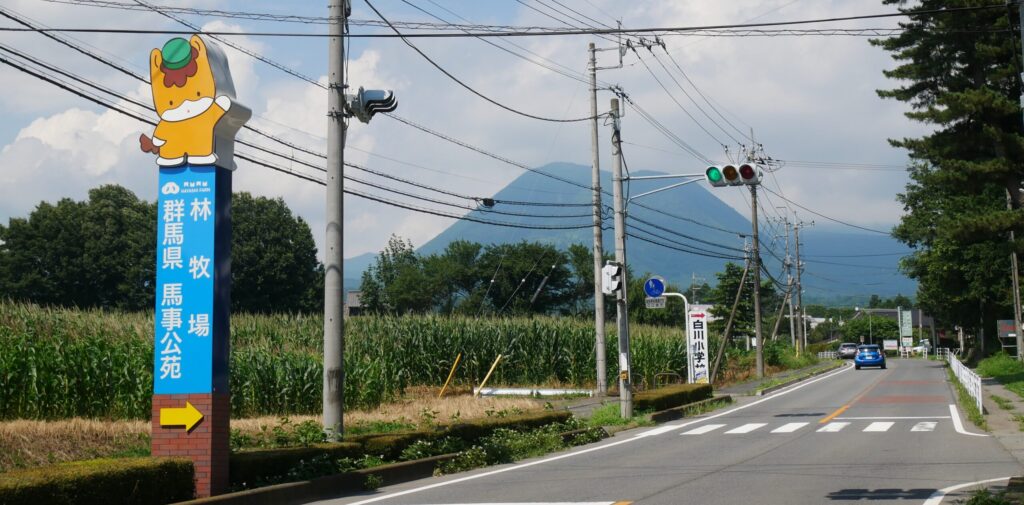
(809,99)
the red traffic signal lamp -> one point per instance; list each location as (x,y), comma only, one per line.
(732,175)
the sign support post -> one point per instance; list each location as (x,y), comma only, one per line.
(194,143)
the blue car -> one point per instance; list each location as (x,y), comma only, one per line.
(869,355)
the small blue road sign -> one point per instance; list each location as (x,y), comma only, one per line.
(654,287)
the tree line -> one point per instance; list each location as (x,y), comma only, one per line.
(963,203)
(101,253)
(531,278)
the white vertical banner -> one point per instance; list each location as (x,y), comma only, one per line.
(697,347)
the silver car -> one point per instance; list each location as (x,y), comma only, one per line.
(847,351)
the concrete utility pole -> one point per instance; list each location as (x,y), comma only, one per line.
(334,325)
(802,339)
(1013,255)
(599,343)
(756,267)
(621,308)
(789,287)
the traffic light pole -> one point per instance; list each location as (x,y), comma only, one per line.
(599,318)
(756,267)
(1013,255)
(334,326)
(621,312)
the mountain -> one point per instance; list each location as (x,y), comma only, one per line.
(698,234)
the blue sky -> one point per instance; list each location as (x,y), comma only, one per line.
(806,98)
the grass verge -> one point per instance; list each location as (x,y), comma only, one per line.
(779,381)
(966,402)
(1003,403)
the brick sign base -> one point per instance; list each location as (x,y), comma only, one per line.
(207,445)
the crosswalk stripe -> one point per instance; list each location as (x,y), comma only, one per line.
(924,426)
(746,428)
(879,426)
(835,427)
(704,429)
(789,427)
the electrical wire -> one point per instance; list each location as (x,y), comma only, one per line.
(827,217)
(598,32)
(466,86)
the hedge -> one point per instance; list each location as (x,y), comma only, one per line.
(671,396)
(261,465)
(254,466)
(101,481)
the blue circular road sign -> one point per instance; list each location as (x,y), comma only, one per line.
(654,287)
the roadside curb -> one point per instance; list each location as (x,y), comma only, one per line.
(680,412)
(771,389)
(331,486)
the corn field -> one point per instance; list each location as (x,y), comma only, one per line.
(60,363)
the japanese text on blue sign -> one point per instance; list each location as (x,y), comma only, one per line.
(184,281)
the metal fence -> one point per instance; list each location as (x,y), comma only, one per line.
(827,355)
(970,380)
(942,353)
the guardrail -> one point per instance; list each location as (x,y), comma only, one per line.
(970,380)
(827,355)
(942,353)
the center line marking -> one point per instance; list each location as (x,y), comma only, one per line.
(881,418)
(833,415)
(833,427)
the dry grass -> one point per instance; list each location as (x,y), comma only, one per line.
(26,443)
(34,443)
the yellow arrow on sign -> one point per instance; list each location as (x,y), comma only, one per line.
(187,416)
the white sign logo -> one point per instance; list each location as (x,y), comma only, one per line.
(170,189)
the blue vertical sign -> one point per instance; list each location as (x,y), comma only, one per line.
(188,322)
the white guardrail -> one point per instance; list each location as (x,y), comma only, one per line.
(970,380)
(827,355)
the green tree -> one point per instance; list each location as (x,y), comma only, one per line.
(723,295)
(96,253)
(274,267)
(869,329)
(454,277)
(395,283)
(959,75)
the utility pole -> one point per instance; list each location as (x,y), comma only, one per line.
(756,267)
(599,344)
(802,339)
(1013,255)
(334,325)
(622,314)
(790,285)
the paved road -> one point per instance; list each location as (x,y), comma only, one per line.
(884,436)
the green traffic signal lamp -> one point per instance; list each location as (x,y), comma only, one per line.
(714,177)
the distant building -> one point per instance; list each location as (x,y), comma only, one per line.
(353,304)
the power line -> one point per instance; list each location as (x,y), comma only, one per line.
(827,217)
(591,31)
(463,84)
(702,95)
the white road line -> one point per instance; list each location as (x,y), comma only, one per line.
(936,497)
(707,428)
(879,426)
(882,418)
(746,428)
(789,428)
(958,425)
(596,448)
(546,503)
(833,427)
(656,431)
(924,426)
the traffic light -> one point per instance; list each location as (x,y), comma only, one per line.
(611,278)
(368,102)
(732,175)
